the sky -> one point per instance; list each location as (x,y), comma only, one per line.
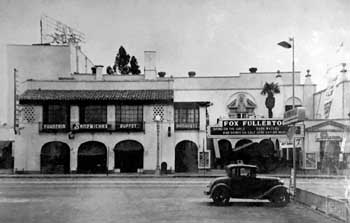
(211,37)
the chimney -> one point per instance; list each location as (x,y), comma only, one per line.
(98,72)
(308,80)
(278,75)
(279,78)
(150,65)
(343,73)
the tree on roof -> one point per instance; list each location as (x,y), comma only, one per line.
(270,89)
(134,67)
(121,61)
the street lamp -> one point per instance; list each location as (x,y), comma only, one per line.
(290,44)
(158,119)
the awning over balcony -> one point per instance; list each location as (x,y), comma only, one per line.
(144,96)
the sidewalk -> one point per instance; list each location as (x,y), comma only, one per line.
(201,174)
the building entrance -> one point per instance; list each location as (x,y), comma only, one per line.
(225,149)
(55,158)
(92,157)
(186,157)
(128,156)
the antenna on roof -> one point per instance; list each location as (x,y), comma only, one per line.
(55,32)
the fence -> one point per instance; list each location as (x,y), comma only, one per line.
(337,208)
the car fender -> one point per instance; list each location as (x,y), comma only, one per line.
(219,185)
(271,190)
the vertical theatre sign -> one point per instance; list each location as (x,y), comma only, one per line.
(250,127)
(329,94)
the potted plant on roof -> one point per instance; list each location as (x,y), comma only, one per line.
(191,73)
(161,74)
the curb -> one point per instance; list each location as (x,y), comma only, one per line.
(70,176)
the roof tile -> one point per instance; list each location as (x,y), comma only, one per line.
(97,95)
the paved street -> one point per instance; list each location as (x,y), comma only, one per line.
(132,200)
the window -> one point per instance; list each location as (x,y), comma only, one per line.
(186,117)
(56,114)
(290,107)
(242,106)
(93,114)
(129,113)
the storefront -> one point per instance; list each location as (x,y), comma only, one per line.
(327,146)
(261,142)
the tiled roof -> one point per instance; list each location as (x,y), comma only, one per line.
(97,95)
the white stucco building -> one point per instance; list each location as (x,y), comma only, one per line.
(72,120)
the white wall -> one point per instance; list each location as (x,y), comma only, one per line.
(36,62)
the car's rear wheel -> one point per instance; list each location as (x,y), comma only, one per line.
(221,196)
(279,197)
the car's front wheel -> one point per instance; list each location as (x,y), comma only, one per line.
(280,197)
(221,195)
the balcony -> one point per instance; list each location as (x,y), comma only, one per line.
(186,126)
(53,128)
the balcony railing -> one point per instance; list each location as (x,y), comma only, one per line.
(186,126)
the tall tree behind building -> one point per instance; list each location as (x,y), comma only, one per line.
(121,61)
(134,67)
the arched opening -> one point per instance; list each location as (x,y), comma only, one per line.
(289,103)
(55,158)
(186,157)
(92,157)
(128,156)
(267,147)
(225,153)
(242,142)
(243,150)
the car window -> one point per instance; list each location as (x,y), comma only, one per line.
(245,172)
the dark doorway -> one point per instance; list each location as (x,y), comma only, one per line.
(55,158)
(186,157)
(329,156)
(128,156)
(92,157)
(225,153)
(6,158)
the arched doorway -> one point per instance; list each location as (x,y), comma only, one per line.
(55,158)
(225,152)
(128,156)
(186,157)
(92,157)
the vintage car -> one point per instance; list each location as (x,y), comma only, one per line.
(241,182)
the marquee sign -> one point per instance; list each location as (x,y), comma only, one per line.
(250,127)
